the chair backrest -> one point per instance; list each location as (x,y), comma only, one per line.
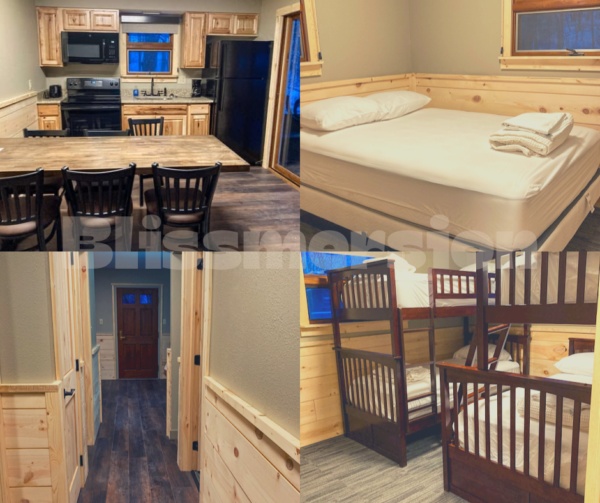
(147,127)
(102,132)
(102,195)
(21,198)
(51,133)
(185,190)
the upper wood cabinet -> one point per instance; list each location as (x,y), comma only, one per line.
(49,28)
(76,19)
(193,40)
(233,24)
(105,20)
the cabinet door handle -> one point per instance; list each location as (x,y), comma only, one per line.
(69,393)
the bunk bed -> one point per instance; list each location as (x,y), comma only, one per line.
(379,407)
(528,442)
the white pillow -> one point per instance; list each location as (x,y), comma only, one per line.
(579,364)
(462,353)
(339,113)
(473,267)
(400,263)
(394,104)
(573,378)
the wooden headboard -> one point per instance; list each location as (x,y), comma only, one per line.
(500,95)
(581,346)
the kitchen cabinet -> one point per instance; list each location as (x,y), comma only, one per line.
(49,117)
(175,125)
(233,24)
(193,40)
(49,28)
(199,120)
(76,19)
(105,20)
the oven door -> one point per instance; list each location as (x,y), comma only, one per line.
(78,118)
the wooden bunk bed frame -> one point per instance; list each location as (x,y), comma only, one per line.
(477,478)
(367,292)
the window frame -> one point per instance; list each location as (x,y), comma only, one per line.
(126,46)
(510,59)
(313,66)
(151,47)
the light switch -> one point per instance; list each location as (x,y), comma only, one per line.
(101,321)
(165,321)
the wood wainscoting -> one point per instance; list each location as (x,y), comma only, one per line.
(320,409)
(18,114)
(487,94)
(246,456)
(550,344)
(108,356)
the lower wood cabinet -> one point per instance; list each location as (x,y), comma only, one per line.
(180,120)
(49,117)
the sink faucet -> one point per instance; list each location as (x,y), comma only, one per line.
(152,93)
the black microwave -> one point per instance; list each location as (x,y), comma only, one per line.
(90,48)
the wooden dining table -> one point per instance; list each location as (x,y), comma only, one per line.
(22,155)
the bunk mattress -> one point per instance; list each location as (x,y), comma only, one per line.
(417,388)
(439,162)
(567,439)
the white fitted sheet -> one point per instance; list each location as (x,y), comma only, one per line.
(439,162)
(424,386)
(567,441)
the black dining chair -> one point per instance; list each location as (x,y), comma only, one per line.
(26,211)
(104,133)
(97,199)
(52,183)
(146,127)
(183,197)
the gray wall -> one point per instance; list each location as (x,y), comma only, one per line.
(363,38)
(255,334)
(462,37)
(268,14)
(175,339)
(19,60)
(26,337)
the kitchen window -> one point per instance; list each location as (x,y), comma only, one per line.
(149,53)
(551,34)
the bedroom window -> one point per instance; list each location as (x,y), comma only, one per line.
(314,266)
(551,34)
(311,62)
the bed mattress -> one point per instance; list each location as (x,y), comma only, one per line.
(567,439)
(424,386)
(437,162)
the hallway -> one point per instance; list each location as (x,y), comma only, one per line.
(133,461)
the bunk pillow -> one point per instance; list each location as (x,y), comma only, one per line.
(394,104)
(400,263)
(579,364)
(462,354)
(339,113)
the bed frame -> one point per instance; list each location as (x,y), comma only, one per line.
(476,477)
(367,293)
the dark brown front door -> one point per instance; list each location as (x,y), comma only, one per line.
(137,325)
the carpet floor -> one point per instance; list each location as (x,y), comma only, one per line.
(341,470)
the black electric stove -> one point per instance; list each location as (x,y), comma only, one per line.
(93,104)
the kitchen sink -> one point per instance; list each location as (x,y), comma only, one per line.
(155,98)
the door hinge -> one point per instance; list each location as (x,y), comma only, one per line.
(77,365)
(320,56)
(197,360)
(200,264)
(80,460)
(72,259)
(501,51)
(195,446)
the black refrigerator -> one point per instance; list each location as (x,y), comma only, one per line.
(240,88)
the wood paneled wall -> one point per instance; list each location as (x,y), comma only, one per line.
(550,344)
(247,457)
(18,114)
(486,94)
(320,411)
(108,360)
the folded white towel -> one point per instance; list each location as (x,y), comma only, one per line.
(518,139)
(536,122)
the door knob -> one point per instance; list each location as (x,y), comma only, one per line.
(121,335)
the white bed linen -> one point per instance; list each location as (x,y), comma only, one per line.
(424,386)
(567,440)
(439,162)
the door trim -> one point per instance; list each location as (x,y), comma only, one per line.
(115,329)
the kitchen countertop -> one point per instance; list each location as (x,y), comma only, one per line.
(49,101)
(175,101)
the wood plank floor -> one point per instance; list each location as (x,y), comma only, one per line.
(133,461)
(259,207)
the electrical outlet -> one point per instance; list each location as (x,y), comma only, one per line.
(30,85)
(101,321)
